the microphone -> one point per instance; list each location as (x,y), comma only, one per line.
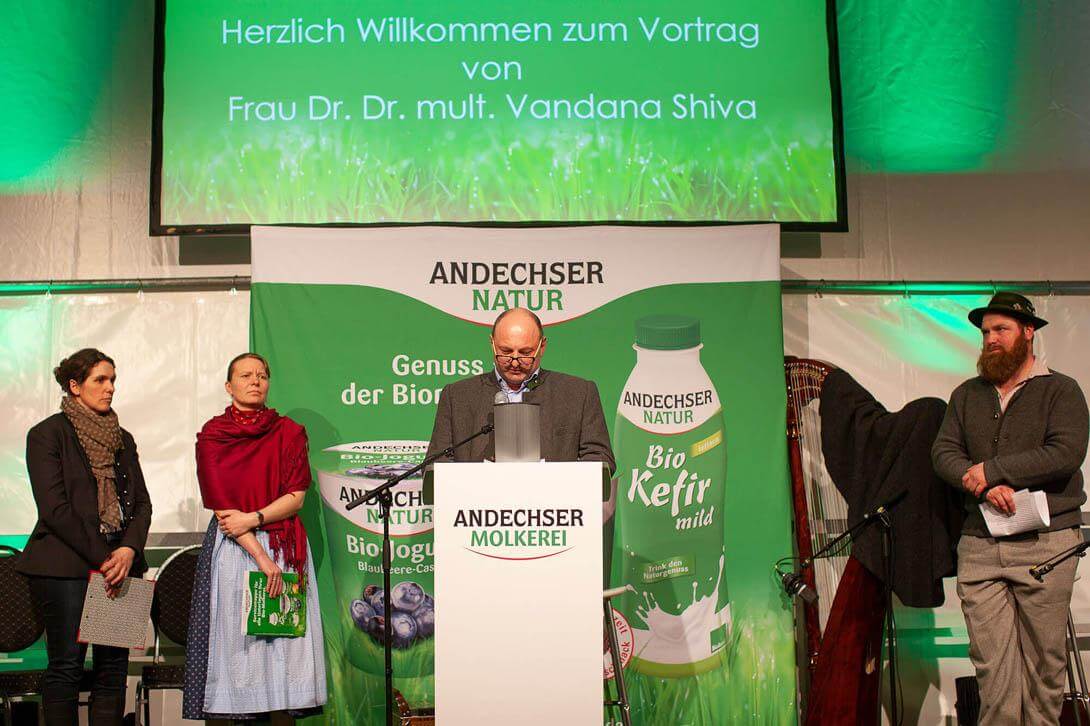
(1040,571)
(882,511)
(499,399)
(794,585)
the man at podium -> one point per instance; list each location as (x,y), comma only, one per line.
(573,427)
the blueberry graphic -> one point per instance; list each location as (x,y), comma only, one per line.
(361,613)
(407,596)
(404,629)
(376,601)
(376,627)
(368,591)
(380,471)
(390,470)
(425,620)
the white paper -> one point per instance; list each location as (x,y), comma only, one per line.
(122,621)
(1030,514)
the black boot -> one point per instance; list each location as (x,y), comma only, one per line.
(107,709)
(60,713)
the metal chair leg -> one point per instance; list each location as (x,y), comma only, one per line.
(1075,650)
(618,676)
(141,708)
(1079,695)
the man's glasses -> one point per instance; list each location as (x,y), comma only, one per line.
(523,360)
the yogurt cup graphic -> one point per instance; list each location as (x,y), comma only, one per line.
(345,472)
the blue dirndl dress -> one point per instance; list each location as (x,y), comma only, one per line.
(236,676)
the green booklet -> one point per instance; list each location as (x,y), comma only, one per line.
(284,616)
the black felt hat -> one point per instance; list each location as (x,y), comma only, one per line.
(1008,303)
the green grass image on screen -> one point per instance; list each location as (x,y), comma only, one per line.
(593,172)
(644,118)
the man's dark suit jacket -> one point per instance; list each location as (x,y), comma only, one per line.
(66,541)
(573,427)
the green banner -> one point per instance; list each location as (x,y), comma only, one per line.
(363,328)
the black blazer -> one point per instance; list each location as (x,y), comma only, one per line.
(66,541)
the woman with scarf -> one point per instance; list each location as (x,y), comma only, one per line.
(253,473)
(93,514)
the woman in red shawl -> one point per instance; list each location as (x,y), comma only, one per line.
(253,471)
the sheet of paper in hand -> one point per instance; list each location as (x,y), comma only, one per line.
(284,616)
(1030,514)
(121,621)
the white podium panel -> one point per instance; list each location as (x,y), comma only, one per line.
(518,594)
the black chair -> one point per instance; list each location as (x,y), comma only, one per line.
(170,616)
(21,625)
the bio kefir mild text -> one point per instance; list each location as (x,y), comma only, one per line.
(671,464)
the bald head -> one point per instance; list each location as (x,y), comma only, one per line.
(520,316)
(518,342)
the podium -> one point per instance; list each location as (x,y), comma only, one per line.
(518,588)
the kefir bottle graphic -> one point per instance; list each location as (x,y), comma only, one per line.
(671,464)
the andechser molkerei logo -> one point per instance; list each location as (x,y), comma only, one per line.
(517,534)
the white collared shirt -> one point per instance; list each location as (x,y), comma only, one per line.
(515,395)
(1038,369)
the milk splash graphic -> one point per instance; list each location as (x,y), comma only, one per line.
(683,637)
(671,467)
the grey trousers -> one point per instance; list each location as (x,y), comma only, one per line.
(1017,626)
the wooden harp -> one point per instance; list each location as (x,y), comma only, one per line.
(821,514)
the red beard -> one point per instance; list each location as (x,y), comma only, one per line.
(997,367)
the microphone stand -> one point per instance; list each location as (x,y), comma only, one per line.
(793,583)
(1038,572)
(385,500)
(890,622)
(881,514)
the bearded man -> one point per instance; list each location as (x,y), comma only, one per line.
(1018,425)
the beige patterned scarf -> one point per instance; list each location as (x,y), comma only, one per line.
(100,437)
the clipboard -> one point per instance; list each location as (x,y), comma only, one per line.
(121,622)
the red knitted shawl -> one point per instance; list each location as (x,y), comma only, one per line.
(246,464)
